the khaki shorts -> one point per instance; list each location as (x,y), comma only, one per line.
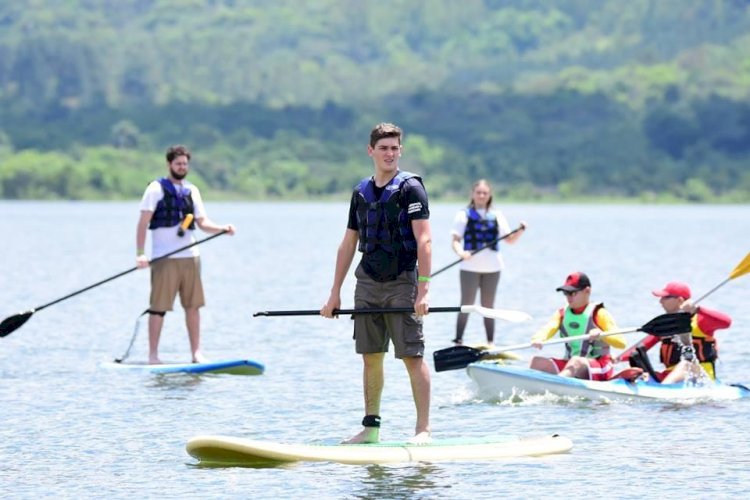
(168,276)
(372,332)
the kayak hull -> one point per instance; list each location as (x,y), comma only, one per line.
(235,451)
(503,381)
(229,366)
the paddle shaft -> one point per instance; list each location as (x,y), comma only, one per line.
(36,309)
(336,312)
(563,340)
(491,243)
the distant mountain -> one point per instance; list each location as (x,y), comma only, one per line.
(573,97)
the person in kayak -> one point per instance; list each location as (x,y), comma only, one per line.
(475,227)
(165,207)
(388,223)
(586,359)
(685,356)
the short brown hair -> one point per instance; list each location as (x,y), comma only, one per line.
(175,151)
(383,130)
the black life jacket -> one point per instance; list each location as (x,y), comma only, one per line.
(173,207)
(383,222)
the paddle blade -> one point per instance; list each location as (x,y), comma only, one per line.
(12,323)
(741,269)
(503,314)
(453,358)
(667,325)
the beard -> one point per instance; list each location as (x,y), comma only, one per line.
(178,176)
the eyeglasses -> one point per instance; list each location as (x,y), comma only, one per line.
(570,294)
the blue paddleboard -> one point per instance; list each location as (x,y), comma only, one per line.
(231,366)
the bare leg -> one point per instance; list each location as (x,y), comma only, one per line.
(155,322)
(419,376)
(193,324)
(543,365)
(373,381)
(678,374)
(577,367)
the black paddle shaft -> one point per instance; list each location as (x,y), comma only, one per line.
(11,323)
(336,312)
(456,357)
(491,243)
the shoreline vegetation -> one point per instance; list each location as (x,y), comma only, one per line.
(573,101)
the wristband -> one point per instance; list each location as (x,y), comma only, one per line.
(139,252)
(424,279)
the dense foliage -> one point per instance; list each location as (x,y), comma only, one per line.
(647,99)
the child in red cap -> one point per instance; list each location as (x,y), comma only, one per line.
(700,342)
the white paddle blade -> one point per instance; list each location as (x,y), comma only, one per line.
(504,314)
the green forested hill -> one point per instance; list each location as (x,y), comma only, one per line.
(568,98)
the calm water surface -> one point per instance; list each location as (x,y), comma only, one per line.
(72,429)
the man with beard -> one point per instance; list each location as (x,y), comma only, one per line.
(171,208)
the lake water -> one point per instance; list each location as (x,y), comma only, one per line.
(72,429)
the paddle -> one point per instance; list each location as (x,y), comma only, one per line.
(12,323)
(504,314)
(491,243)
(453,358)
(740,269)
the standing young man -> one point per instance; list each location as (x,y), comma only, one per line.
(389,224)
(164,207)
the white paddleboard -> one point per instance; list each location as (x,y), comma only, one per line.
(231,366)
(235,451)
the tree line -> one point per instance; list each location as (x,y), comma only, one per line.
(566,100)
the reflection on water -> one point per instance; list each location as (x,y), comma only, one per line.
(411,481)
(175,382)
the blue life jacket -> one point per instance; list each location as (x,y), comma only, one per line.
(172,209)
(383,222)
(480,230)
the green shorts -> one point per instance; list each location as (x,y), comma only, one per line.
(170,276)
(372,332)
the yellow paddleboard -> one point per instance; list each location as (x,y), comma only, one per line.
(236,451)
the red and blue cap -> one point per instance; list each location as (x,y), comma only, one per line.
(575,282)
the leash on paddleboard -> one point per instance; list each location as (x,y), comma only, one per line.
(132,339)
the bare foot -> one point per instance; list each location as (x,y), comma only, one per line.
(366,435)
(154,360)
(199,358)
(421,438)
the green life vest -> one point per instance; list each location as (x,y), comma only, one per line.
(577,325)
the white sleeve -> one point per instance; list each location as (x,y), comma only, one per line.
(151,197)
(459,224)
(502,223)
(199,210)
